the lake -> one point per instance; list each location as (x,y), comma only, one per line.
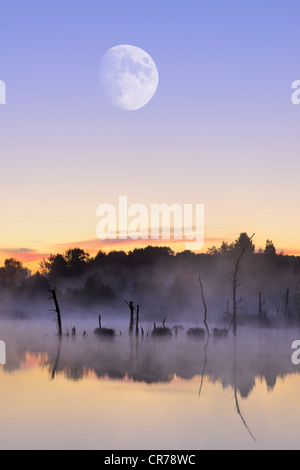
(135,392)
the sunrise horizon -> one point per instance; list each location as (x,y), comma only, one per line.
(31,257)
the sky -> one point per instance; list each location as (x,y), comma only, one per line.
(221,129)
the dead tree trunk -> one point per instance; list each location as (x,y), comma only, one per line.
(261,303)
(208,335)
(287,303)
(57,310)
(137,320)
(234,300)
(204,305)
(235,284)
(131,308)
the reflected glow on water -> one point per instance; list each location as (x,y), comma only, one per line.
(81,409)
(121,414)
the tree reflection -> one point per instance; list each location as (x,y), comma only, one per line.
(57,358)
(237,405)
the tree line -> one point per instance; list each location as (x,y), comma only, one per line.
(162,281)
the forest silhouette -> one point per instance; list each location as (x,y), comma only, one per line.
(163,283)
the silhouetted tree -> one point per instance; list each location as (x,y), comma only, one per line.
(54,266)
(13,273)
(244,243)
(72,263)
(261,313)
(204,305)
(235,282)
(76,259)
(57,310)
(270,248)
(213,250)
(100,257)
(131,308)
(137,320)
(287,310)
(117,258)
(231,248)
(226,248)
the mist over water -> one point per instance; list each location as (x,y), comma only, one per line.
(260,353)
(163,284)
(143,371)
(136,375)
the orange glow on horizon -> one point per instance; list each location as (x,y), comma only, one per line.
(32,258)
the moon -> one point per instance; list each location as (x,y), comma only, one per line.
(128,77)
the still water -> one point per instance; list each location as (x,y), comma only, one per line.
(143,393)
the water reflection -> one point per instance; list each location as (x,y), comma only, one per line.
(159,380)
(236,399)
(57,358)
(255,354)
(204,362)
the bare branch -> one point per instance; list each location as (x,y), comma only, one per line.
(204,305)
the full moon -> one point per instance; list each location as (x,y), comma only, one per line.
(128,77)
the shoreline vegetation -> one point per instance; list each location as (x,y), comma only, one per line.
(263,289)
